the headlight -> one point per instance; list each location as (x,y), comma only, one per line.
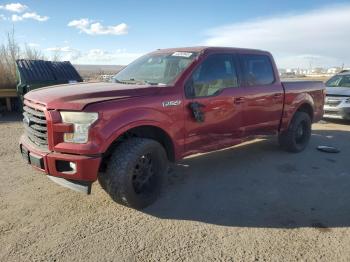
(347,100)
(82,122)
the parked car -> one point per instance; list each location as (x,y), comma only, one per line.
(337,104)
(165,106)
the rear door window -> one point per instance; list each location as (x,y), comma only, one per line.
(257,70)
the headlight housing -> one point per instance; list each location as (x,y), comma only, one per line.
(81,122)
(347,100)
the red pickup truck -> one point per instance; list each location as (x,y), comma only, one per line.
(165,106)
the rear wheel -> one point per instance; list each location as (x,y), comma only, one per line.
(135,171)
(297,137)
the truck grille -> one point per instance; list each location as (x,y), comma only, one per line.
(331,101)
(35,125)
(331,113)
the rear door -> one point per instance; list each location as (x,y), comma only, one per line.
(263,100)
(212,119)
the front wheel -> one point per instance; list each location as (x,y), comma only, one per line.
(297,137)
(135,172)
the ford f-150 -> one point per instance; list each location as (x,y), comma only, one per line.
(164,106)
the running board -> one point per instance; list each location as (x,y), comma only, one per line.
(79,186)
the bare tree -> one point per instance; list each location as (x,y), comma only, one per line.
(9,52)
(56,55)
(32,53)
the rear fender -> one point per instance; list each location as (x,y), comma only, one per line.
(292,104)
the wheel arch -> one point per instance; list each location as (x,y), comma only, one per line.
(144,130)
(306,108)
(155,133)
(302,102)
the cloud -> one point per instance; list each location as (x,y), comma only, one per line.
(320,37)
(16,18)
(80,24)
(95,28)
(99,56)
(2,17)
(33,15)
(14,7)
(33,45)
(66,52)
(95,56)
(60,49)
(19,8)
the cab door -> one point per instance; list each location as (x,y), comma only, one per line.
(212,117)
(263,101)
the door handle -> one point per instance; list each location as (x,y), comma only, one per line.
(278,95)
(239,100)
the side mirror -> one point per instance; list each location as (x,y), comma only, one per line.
(198,114)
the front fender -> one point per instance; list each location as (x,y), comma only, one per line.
(113,126)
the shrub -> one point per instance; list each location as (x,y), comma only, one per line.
(10,51)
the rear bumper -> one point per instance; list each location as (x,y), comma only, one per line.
(337,112)
(86,167)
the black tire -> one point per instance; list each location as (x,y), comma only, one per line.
(297,137)
(135,172)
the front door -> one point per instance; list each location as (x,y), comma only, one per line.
(212,114)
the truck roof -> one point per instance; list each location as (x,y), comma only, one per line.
(209,48)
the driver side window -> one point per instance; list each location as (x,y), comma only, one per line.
(216,72)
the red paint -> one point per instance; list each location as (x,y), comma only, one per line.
(230,117)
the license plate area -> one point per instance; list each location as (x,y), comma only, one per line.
(32,159)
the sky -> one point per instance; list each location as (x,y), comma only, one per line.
(300,34)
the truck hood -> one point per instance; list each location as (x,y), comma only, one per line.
(77,96)
(338,91)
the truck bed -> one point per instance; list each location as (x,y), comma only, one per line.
(295,91)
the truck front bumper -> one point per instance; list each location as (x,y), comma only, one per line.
(65,169)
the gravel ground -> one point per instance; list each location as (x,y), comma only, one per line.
(252,202)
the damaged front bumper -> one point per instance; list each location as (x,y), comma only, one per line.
(76,172)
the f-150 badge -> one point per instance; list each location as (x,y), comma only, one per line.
(171,103)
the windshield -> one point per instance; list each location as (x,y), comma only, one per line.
(339,81)
(155,69)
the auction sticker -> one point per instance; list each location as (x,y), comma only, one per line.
(182,54)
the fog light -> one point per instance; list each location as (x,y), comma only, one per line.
(66,167)
(73,166)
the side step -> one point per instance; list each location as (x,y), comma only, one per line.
(80,186)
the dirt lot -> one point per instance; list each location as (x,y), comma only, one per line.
(250,202)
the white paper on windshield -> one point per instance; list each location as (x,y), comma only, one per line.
(182,54)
